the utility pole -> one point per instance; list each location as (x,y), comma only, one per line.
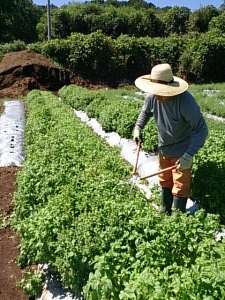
(49,20)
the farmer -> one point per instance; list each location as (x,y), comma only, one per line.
(182,131)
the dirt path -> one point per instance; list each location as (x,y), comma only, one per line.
(10,272)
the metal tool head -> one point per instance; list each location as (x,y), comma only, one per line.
(133,180)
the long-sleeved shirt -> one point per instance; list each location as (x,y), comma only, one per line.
(181,125)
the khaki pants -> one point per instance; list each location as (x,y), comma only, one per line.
(178,181)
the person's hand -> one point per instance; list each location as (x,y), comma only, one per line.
(138,137)
(185,162)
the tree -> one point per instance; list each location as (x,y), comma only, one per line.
(18,20)
(138,3)
(217,23)
(176,20)
(6,8)
(199,20)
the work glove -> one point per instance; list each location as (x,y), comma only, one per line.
(185,162)
(137,137)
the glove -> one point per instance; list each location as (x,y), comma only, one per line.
(185,162)
(138,137)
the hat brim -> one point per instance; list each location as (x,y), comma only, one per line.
(177,87)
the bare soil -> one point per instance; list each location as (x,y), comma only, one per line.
(21,72)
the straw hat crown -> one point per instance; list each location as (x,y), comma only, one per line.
(161,82)
(162,72)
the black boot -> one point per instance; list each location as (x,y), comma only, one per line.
(180,203)
(166,201)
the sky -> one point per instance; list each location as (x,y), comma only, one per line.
(193,4)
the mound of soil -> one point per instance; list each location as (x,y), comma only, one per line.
(23,71)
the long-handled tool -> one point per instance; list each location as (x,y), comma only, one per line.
(135,179)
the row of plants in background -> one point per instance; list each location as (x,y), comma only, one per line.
(126,58)
(116,110)
(101,58)
(211,98)
(104,242)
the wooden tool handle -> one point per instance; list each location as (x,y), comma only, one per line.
(159,172)
(137,156)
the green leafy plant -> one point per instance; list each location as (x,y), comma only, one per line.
(31,282)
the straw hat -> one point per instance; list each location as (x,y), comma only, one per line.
(161,82)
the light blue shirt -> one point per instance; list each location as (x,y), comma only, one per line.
(181,125)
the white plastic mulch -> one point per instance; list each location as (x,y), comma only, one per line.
(12,134)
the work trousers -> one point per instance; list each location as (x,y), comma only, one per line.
(178,181)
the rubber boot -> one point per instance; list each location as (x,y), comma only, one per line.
(180,203)
(166,201)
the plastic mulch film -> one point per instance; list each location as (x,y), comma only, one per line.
(12,123)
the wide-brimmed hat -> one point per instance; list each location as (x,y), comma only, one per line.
(161,82)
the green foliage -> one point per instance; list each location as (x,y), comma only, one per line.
(135,18)
(207,175)
(199,20)
(176,20)
(100,58)
(210,97)
(18,21)
(217,22)
(60,24)
(201,55)
(208,187)
(118,117)
(112,21)
(12,47)
(75,172)
(78,97)
(118,113)
(114,111)
(31,282)
(58,50)
(196,57)
(150,135)
(161,257)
